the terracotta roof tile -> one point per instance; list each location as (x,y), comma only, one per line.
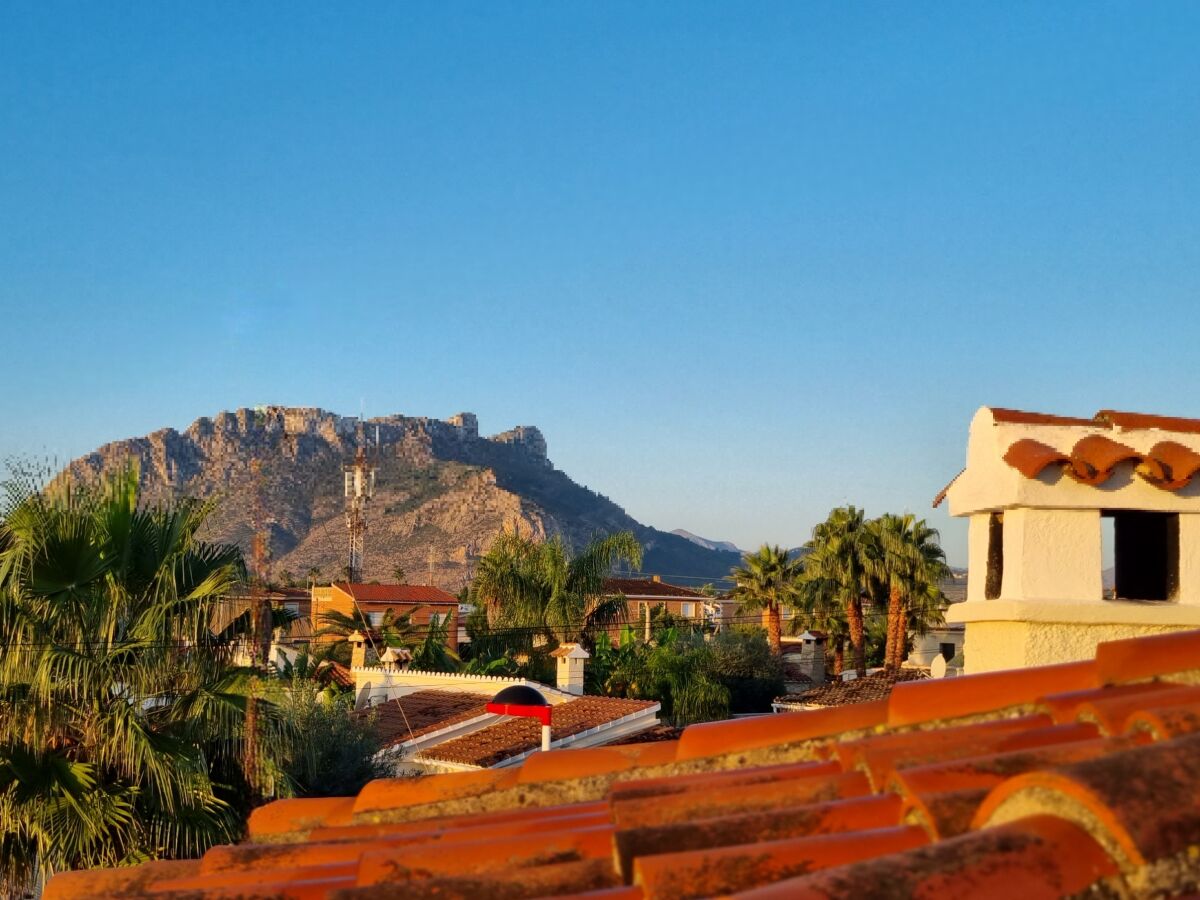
(1141,803)
(515,736)
(1135,659)
(875,686)
(396,593)
(1039,857)
(1093,458)
(714,738)
(832,817)
(1131,421)
(1021,417)
(645,587)
(1030,457)
(422,712)
(984,786)
(1176,465)
(714,871)
(950,698)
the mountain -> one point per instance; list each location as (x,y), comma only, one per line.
(442,492)
(726,546)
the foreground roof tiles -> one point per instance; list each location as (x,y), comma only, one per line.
(1075,779)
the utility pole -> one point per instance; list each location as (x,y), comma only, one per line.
(359,485)
(260,622)
(430,579)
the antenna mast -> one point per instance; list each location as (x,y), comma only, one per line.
(359,485)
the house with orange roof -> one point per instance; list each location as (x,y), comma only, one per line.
(1075,779)
(644,595)
(1039,493)
(425,604)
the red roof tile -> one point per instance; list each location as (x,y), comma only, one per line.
(646,587)
(1093,458)
(421,712)
(515,736)
(876,686)
(996,785)
(395,593)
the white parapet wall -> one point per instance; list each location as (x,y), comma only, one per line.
(378,684)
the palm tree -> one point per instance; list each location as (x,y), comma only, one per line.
(394,630)
(314,575)
(914,567)
(540,585)
(765,582)
(122,720)
(843,565)
(398,574)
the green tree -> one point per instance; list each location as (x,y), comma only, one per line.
(122,721)
(842,567)
(913,569)
(766,582)
(540,585)
(398,574)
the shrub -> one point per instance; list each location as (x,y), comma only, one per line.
(334,751)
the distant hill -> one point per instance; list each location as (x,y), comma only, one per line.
(442,492)
(726,546)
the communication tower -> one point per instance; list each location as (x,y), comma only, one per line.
(359,486)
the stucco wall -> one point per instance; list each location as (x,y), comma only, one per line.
(1050,554)
(1011,635)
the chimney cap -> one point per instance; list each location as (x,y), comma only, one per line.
(570,650)
(521,700)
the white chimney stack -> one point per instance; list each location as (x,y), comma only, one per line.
(571,659)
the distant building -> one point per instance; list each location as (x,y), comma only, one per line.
(427,605)
(1036,490)
(644,594)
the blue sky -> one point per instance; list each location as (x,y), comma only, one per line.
(740,262)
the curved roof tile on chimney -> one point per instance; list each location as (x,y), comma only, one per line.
(1094,457)
(1177,465)
(1030,457)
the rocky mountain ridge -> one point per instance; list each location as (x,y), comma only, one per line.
(442,493)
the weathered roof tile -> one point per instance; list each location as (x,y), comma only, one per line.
(985,786)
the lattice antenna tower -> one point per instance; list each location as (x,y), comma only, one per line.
(359,487)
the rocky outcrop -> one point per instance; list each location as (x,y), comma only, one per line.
(443,492)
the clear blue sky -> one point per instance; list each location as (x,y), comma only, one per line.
(740,262)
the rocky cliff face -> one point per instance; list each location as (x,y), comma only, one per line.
(442,491)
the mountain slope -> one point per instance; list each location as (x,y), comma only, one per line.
(442,491)
(727,546)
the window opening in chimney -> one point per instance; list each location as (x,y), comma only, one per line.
(1145,555)
(995,556)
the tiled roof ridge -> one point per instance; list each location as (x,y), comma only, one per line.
(1053,780)
(1109,419)
(652,588)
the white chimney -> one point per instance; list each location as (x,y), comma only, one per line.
(571,658)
